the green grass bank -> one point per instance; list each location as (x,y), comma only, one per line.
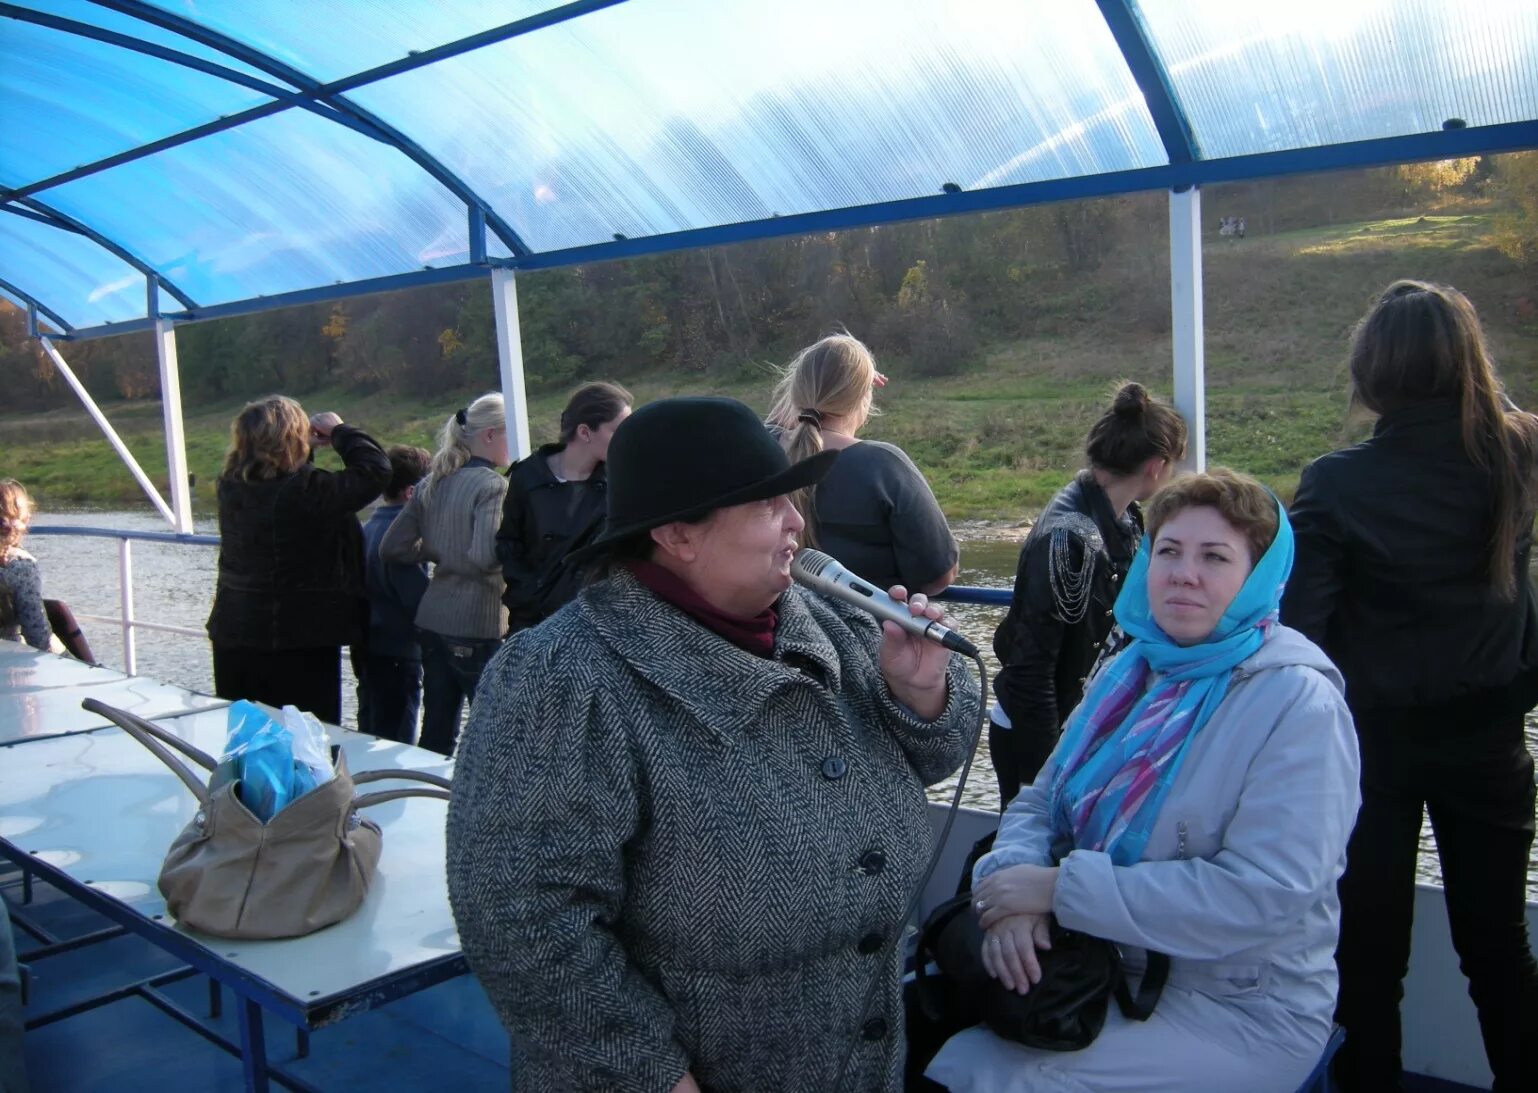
(999,438)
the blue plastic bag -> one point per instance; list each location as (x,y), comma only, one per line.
(263,754)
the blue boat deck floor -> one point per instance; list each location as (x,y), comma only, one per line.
(445,1037)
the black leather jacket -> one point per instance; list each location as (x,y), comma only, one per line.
(1050,639)
(1390,576)
(543,520)
(291,552)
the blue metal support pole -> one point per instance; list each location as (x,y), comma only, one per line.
(42,308)
(253,1046)
(53,217)
(31,320)
(477,235)
(176,57)
(313,89)
(1152,78)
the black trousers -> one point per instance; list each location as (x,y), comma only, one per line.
(1476,782)
(389,696)
(1018,756)
(308,678)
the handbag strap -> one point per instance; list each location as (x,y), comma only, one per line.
(383,795)
(1141,1007)
(383,774)
(153,737)
(441,786)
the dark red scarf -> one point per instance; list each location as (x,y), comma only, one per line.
(756,634)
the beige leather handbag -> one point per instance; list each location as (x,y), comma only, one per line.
(230,875)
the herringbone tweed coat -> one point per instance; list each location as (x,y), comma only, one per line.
(668,854)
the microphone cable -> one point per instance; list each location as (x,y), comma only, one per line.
(918,893)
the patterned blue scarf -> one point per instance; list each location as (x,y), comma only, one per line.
(1125,743)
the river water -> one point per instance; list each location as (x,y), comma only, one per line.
(174,585)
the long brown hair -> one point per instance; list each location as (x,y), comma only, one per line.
(1423,341)
(593,405)
(835,376)
(268,438)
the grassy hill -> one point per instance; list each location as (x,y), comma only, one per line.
(997,440)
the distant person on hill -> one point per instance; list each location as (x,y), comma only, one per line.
(22,616)
(555,505)
(1071,568)
(874,511)
(451,521)
(1412,574)
(390,672)
(290,586)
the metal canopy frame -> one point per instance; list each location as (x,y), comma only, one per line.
(1182,178)
(295,89)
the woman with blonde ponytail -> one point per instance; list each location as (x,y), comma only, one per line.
(874,511)
(1412,574)
(451,521)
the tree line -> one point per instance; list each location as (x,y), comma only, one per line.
(931,294)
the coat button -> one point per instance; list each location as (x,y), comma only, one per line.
(870,944)
(834,768)
(872,862)
(874,1029)
(1110,611)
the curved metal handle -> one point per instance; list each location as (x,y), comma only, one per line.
(384,795)
(410,775)
(155,738)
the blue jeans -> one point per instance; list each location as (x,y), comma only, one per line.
(451,667)
(389,696)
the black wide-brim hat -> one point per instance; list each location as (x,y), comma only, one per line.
(680,458)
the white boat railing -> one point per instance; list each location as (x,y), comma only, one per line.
(127,620)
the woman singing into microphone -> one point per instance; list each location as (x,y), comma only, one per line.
(680,861)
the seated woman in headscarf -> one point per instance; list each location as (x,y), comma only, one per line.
(689,807)
(1197,806)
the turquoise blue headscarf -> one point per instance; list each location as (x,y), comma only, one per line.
(1125,743)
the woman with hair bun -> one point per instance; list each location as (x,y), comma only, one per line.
(1412,574)
(874,511)
(555,505)
(1071,568)
(451,521)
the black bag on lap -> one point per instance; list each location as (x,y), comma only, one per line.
(1065,1011)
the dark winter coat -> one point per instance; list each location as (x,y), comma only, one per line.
(291,552)
(543,520)
(1392,537)
(1050,640)
(673,855)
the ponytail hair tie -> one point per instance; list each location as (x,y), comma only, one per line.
(459,418)
(811,417)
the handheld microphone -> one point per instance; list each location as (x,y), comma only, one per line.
(818,571)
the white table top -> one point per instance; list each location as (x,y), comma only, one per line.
(23,668)
(56,711)
(102,809)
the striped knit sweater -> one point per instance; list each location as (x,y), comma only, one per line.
(456,530)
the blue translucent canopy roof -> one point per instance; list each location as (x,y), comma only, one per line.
(246,155)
